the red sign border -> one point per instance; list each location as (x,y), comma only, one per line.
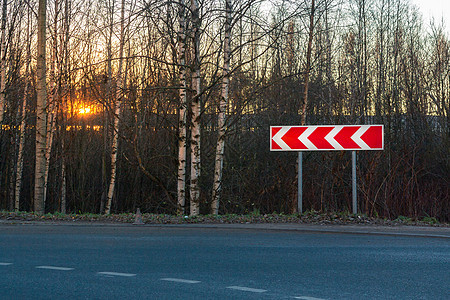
(316,126)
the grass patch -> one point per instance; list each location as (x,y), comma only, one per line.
(254,217)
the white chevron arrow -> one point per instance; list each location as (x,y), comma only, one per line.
(304,138)
(356,137)
(277,138)
(330,138)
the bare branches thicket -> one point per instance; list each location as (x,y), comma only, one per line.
(362,61)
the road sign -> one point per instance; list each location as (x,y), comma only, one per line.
(326,137)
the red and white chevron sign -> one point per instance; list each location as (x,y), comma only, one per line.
(326,137)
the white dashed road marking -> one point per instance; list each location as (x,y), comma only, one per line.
(117,274)
(237,288)
(54,268)
(180,280)
(5,264)
(246,289)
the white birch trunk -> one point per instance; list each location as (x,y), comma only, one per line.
(51,118)
(118,106)
(3,61)
(182,147)
(48,149)
(23,124)
(65,78)
(218,168)
(63,184)
(105,186)
(41,113)
(62,203)
(195,105)
(18,183)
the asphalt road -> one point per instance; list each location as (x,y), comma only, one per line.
(126,262)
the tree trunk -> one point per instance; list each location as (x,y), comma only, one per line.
(118,106)
(18,183)
(195,105)
(23,124)
(182,147)
(3,61)
(64,73)
(105,186)
(51,115)
(218,168)
(51,118)
(63,186)
(41,113)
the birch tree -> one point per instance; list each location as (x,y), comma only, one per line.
(108,40)
(41,112)
(182,126)
(23,123)
(118,106)
(195,106)
(3,61)
(218,168)
(52,98)
(65,77)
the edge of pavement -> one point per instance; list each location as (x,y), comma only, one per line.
(401,230)
(367,229)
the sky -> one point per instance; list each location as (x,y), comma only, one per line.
(436,9)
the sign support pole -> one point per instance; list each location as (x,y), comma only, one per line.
(326,137)
(354,187)
(300,183)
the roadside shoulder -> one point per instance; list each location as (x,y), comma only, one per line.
(399,230)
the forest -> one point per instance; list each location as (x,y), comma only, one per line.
(107,106)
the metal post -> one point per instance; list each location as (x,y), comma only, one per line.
(354,187)
(300,183)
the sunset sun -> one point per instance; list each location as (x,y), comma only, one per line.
(84,111)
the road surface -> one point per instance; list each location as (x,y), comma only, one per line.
(150,262)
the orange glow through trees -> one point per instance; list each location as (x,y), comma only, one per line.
(84,111)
